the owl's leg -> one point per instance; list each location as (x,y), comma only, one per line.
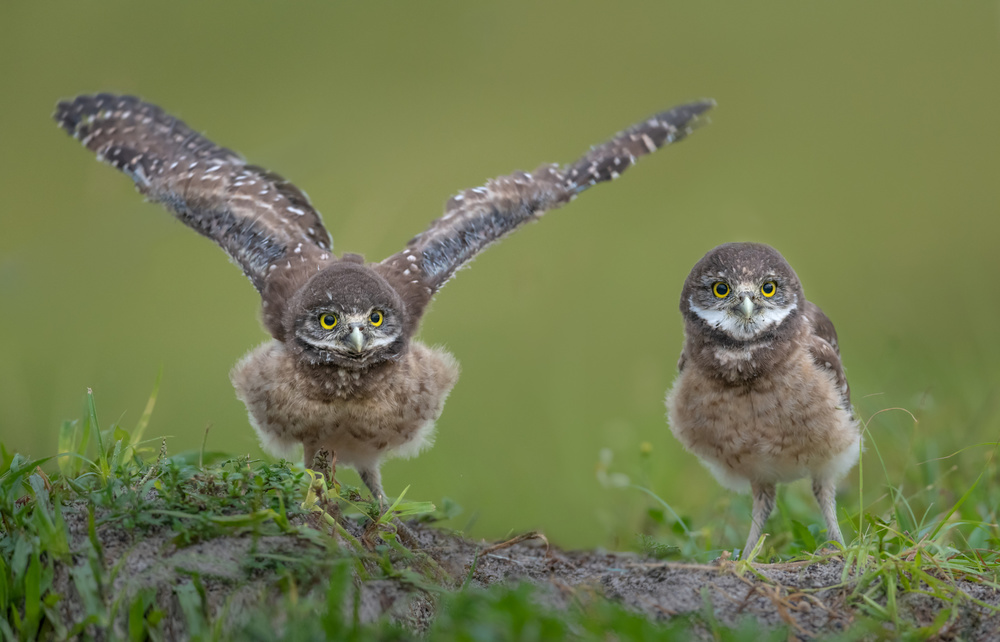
(826,497)
(310,450)
(763,504)
(373,480)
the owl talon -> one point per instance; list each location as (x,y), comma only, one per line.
(406,534)
(830,551)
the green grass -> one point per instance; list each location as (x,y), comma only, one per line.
(114,477)
(118,479)
(902,543)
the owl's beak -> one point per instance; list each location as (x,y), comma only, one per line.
(746,308)
(356,339)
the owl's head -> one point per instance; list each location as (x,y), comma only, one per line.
(742,292)
(348,316)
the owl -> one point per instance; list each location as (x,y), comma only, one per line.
(761,396)
(342,373)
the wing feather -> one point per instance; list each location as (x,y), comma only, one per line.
(825,349)
(261,220)
(481,216)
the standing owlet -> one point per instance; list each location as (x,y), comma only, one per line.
(343,372)
(761,396)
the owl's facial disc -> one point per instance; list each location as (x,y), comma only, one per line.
(347,316)
(742,310)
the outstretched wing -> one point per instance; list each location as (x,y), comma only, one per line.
(263,222)
(478,217)
(825,350)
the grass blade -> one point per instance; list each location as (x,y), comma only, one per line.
(69,435)
(102,456)
(147,413)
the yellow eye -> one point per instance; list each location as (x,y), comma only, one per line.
(328,321)
(376,318)
(769,288)
(721,289)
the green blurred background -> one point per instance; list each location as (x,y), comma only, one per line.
(860,139)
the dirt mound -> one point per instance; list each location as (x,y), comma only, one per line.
(233,577)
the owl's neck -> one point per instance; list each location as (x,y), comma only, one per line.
(326,382)
(742,362)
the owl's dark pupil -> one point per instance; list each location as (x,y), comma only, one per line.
(376,317)
(721,289)
(768,288)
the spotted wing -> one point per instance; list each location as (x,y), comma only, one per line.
(825,350)
(263,222)
(478,217)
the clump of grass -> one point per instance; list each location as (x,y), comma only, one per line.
(116,479)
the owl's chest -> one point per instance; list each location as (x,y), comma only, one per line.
(357,417)
(786,421)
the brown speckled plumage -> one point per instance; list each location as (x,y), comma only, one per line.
(343,372)
(761,396)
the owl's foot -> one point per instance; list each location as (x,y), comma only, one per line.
(831,551)
(406,534)
(377,528)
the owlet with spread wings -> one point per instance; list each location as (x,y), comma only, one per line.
(343,372)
